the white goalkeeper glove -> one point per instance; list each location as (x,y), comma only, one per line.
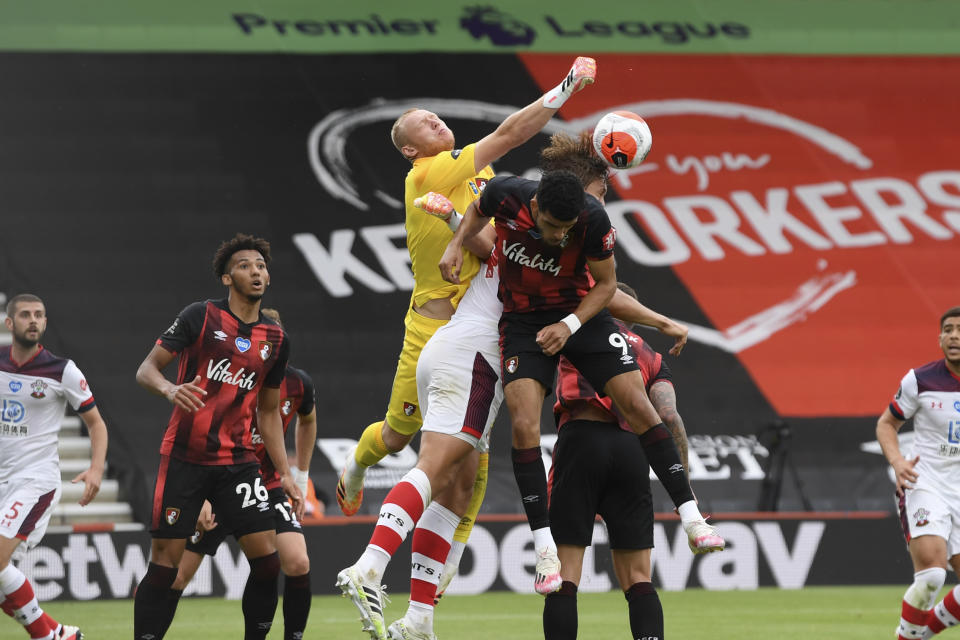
(582,73)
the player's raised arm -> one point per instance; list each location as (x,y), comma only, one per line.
(887,427)
(150,376)
(524,124)
(627,308)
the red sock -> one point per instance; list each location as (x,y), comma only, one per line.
(910,614)
(431,545)
(945,614)
(26,610)
(400,512)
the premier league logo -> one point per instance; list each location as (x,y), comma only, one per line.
(243,345)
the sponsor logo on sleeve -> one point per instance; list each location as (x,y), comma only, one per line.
(172,329)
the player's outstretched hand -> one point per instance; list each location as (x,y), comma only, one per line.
(552,338)
(906,474)
(679,334)
(582,73)
(436,204)
(293,494)
(450,263)
(91,479)
(187,395)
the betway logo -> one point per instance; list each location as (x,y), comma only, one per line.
(517,253)
(220,372)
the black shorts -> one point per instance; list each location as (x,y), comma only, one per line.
(663,374)
(207,542)
(598,468)
(236,492)
(590,349)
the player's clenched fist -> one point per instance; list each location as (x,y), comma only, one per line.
(436,204)
(582,73)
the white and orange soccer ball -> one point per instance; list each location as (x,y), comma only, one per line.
(622,139)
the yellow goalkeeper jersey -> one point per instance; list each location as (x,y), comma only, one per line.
(451,173)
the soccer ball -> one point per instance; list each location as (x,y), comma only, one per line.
(622,139)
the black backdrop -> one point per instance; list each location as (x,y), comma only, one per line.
(120,174)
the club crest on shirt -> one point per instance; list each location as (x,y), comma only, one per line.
(511,364)
(265,349)
(39,387)
(243,345)
(15,385)
(409,408)
(197,535)
(286,406)
(171,515)
(920,517)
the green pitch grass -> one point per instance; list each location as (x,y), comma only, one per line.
(850,613)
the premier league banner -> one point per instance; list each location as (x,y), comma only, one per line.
(784,553)
(796,212)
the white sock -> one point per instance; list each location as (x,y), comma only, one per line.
(373,562)
(420,617)
(456,553)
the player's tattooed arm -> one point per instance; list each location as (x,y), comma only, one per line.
(664,400)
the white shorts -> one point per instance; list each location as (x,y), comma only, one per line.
(924,512)
(458,383)
(25,509)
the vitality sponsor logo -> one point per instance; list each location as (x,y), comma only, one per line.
(220,372)
(517,253)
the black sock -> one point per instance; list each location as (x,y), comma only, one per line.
(260,596)
(664,459)
(560,613)
(646,614)
(296,605)
(532,482)
(173,599)
(150,604)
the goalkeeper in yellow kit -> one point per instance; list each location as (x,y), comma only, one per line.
(459,174)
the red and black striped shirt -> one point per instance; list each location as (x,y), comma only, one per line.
(535,276)
(296,398)
(574,390)
(234,361)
